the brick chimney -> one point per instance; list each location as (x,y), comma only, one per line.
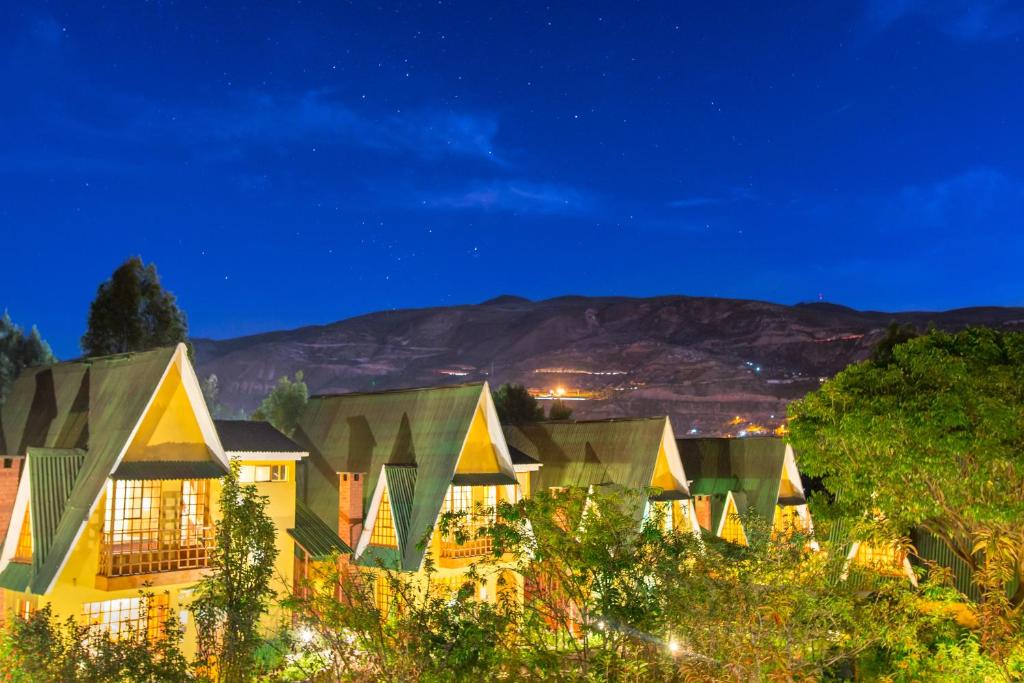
(702,508)
(10,471)
(350,506)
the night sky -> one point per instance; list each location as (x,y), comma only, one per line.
(286,164)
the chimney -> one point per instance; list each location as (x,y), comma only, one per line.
(350,507)
(702,508)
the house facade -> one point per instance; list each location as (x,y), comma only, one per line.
(630,453)
(731,478)
(384,467)
(118,492)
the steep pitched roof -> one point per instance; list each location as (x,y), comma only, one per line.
(251,436)
(315,537)
(750,468)
(418,433)
(74,421)
(593,453)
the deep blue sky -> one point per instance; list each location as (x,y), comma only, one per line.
(286,164)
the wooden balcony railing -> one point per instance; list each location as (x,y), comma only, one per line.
(128,554)
(475,547)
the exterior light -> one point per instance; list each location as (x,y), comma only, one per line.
(306,635)
(673,646)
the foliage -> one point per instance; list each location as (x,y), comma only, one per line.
(237,592)
(133,312)
(558,410)
(41,649)
(516,406)
(933,439)
(284,404)
(19,351)
(211,394)
(895,335)
(427,631)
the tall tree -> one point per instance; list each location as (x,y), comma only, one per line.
(19,351)
(284,404)
(895,335)
(933,439)
(133,312)
(515,405)
(559,411)
(232,599)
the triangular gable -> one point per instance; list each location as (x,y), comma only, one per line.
(668,469)
(122,389)
(364,432)
(729,526)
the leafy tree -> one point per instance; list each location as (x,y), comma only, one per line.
(133,312)
(933,439)
(515,405)
(284,404)
(232,599)
(559,411)
(19,351)
(895,335)
(211,394)
(43,649)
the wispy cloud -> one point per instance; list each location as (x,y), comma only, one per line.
(964,203)
(317,116)
(515,196)
(737,194)
(967,20)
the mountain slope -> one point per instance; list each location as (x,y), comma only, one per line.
(700,360)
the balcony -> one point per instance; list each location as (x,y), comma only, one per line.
(157,532)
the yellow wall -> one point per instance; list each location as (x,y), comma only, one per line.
(478,454)
(170,431)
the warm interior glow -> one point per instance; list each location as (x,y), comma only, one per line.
(384,526)
(23,553)
(128,617)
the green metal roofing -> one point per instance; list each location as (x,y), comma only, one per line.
(590,453)
(16,576)
(315,537)
(401,485)
(364,432)
(170,469)
(73,420)
(750,468)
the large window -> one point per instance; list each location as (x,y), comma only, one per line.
(476,505)
(156,526)
(732,531)
(128,617)
(384,526)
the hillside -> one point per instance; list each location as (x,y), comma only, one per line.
(700,360)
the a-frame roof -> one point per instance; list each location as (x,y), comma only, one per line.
(619,452)
(750,468)
(413,437)
(74,421)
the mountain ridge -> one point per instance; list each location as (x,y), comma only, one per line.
(702,360)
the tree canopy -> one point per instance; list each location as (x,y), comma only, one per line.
(19,351)
(133,312)
(931,436)
(515,405)
(284,404)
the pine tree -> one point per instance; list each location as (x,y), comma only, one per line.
(133,312)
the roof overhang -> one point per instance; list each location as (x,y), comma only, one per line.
(169,469)
(483,479)
(269,456)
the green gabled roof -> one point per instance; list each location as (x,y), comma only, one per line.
(52,476)
(315,537)
(750,468)
(364,432)
(170,469)
(16,576)
(73,420)
(401,482)
(591,453)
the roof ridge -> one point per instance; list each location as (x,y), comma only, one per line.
(461,385)
(89,360)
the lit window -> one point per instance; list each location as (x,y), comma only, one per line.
(460,500)
(384,527)
(25,607)
(155,526)
(23,553)
(886,559)
(383,594)
(128,617)
(259,474)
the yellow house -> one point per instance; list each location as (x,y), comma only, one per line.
(119,490)
(384,466)
(731,478)
(637,453)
